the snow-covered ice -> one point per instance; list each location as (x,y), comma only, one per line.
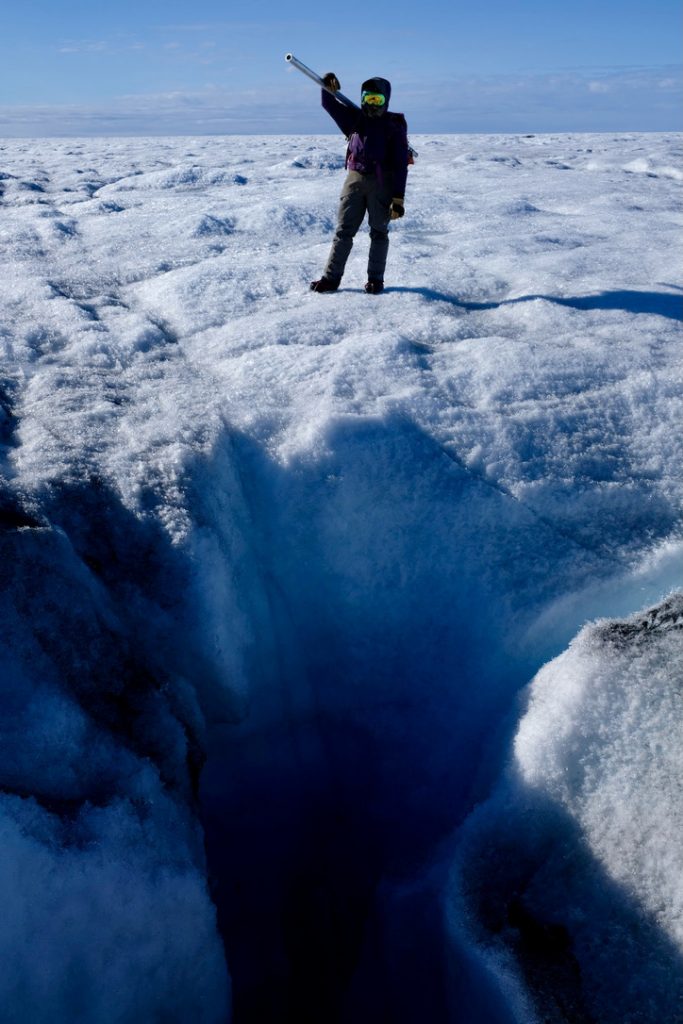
(574,865)
(327,541)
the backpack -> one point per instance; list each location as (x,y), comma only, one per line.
(400,121)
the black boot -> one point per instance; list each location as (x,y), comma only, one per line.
(325,284)
(374,286)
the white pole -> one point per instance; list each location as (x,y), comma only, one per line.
(295,62)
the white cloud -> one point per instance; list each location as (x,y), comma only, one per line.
(211,111)
(594,100)
(85,46)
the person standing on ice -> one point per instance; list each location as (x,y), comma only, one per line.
(377,160)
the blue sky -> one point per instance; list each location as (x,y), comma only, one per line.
(144,67)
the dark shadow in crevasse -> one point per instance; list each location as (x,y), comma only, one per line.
(587,951)
(363,745)
(101,589)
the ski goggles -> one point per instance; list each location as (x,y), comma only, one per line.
(373,99)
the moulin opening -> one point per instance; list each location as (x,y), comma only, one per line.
(378,678)
(320,899)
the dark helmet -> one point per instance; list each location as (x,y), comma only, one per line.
(377,86)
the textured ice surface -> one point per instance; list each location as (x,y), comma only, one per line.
(343,531)
(574,865)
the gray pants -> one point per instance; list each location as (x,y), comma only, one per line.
(361,193)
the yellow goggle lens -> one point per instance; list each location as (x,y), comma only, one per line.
(373,99)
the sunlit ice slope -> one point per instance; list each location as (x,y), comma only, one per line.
(324,541)
(569,875)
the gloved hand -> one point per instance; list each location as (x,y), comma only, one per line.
(397,207)
(331,81)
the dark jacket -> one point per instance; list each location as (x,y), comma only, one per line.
(377,145)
